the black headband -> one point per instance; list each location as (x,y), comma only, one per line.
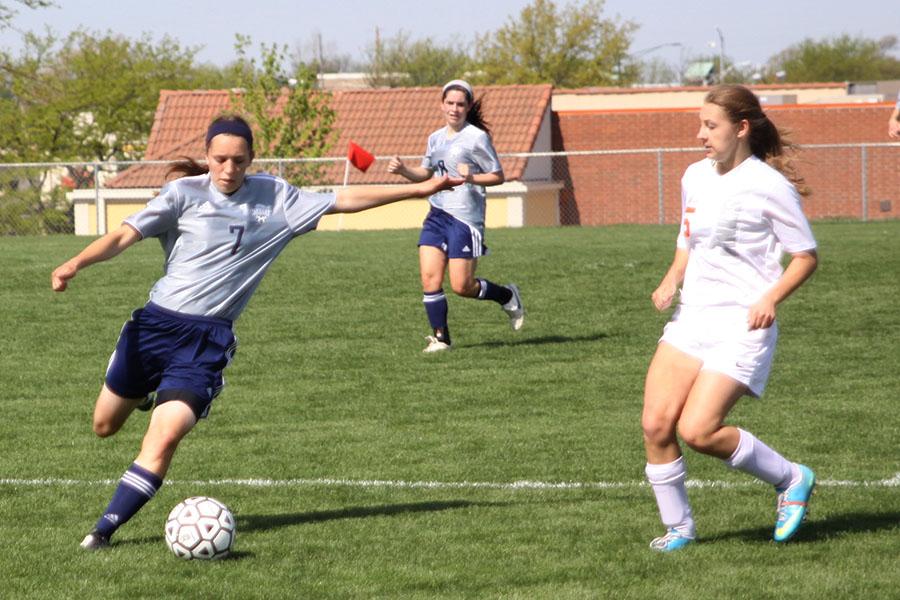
(238,128)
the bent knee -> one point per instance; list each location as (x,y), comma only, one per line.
(697,436)
(657,430)
(104,428)
(466,289)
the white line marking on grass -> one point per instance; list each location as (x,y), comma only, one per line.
(439,485)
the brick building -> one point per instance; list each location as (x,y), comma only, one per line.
(649,134)
(624,188)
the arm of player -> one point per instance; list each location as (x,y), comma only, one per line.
(110,245)
(414,174)
(482,179)
(359,198)
(894,123)
(762,313)
(664,293)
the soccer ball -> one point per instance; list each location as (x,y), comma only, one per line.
(200,527)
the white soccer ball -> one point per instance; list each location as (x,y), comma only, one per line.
(200,527)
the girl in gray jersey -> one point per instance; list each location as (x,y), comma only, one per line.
(220,230)
(452,235)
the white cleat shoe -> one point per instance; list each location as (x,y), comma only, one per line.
(94,541)
(435,345)
(514,308)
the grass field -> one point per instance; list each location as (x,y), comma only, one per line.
(357,467)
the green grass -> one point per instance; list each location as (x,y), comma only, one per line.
(329,383)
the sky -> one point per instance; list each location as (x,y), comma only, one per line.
(670,30)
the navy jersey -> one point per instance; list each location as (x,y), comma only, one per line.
(218,247)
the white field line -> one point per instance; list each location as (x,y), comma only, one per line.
(436,485)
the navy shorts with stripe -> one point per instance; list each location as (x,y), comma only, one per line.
(160,349)
(456,238)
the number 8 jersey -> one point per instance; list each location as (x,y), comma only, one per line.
(218,247)
(443,153)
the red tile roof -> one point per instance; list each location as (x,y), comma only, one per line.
(383,121)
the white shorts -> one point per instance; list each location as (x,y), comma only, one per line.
(719,337)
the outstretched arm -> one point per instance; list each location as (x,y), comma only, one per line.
(664,293)
(359,198)
(110,245)
(802,265)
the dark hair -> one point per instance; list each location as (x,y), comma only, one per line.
(229,123)
(767,142)
(474,116)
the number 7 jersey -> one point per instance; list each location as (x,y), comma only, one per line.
(218,247)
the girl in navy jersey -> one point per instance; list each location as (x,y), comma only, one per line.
(452,235)
(740,212)
(220,230)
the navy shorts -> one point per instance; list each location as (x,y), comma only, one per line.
(457,239)
(161,350)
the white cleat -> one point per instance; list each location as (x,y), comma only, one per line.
(514,308)
(435,345)
(94,541)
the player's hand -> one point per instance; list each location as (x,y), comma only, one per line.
(761,315)
(396,166)
(464,172)
(61,275)
(894,129)
(437,184)
(663,295)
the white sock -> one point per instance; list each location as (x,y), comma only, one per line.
(754,457)
(668,486)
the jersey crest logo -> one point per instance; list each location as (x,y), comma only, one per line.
(261,214)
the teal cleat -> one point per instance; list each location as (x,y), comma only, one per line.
(793,503)
(673,540)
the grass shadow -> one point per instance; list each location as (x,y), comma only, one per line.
(247,523)
(819,530)
(539,341)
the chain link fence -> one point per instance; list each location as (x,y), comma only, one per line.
(848,181)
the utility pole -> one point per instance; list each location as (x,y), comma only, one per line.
(721,55)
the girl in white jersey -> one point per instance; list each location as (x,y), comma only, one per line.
(220,230)
(740,212)
(452,235)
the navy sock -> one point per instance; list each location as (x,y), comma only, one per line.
(436,309)
(136,487)
(491,291)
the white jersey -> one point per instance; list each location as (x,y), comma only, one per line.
(443,153)
(218,247)
(736,227)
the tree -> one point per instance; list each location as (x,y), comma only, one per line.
(843,58)
(401,62)
(87,98)
(7,13)
(657,71)
(91,98)
(574,47)
(292,118)
(322,57)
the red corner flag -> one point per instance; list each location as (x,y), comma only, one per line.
(360,158)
